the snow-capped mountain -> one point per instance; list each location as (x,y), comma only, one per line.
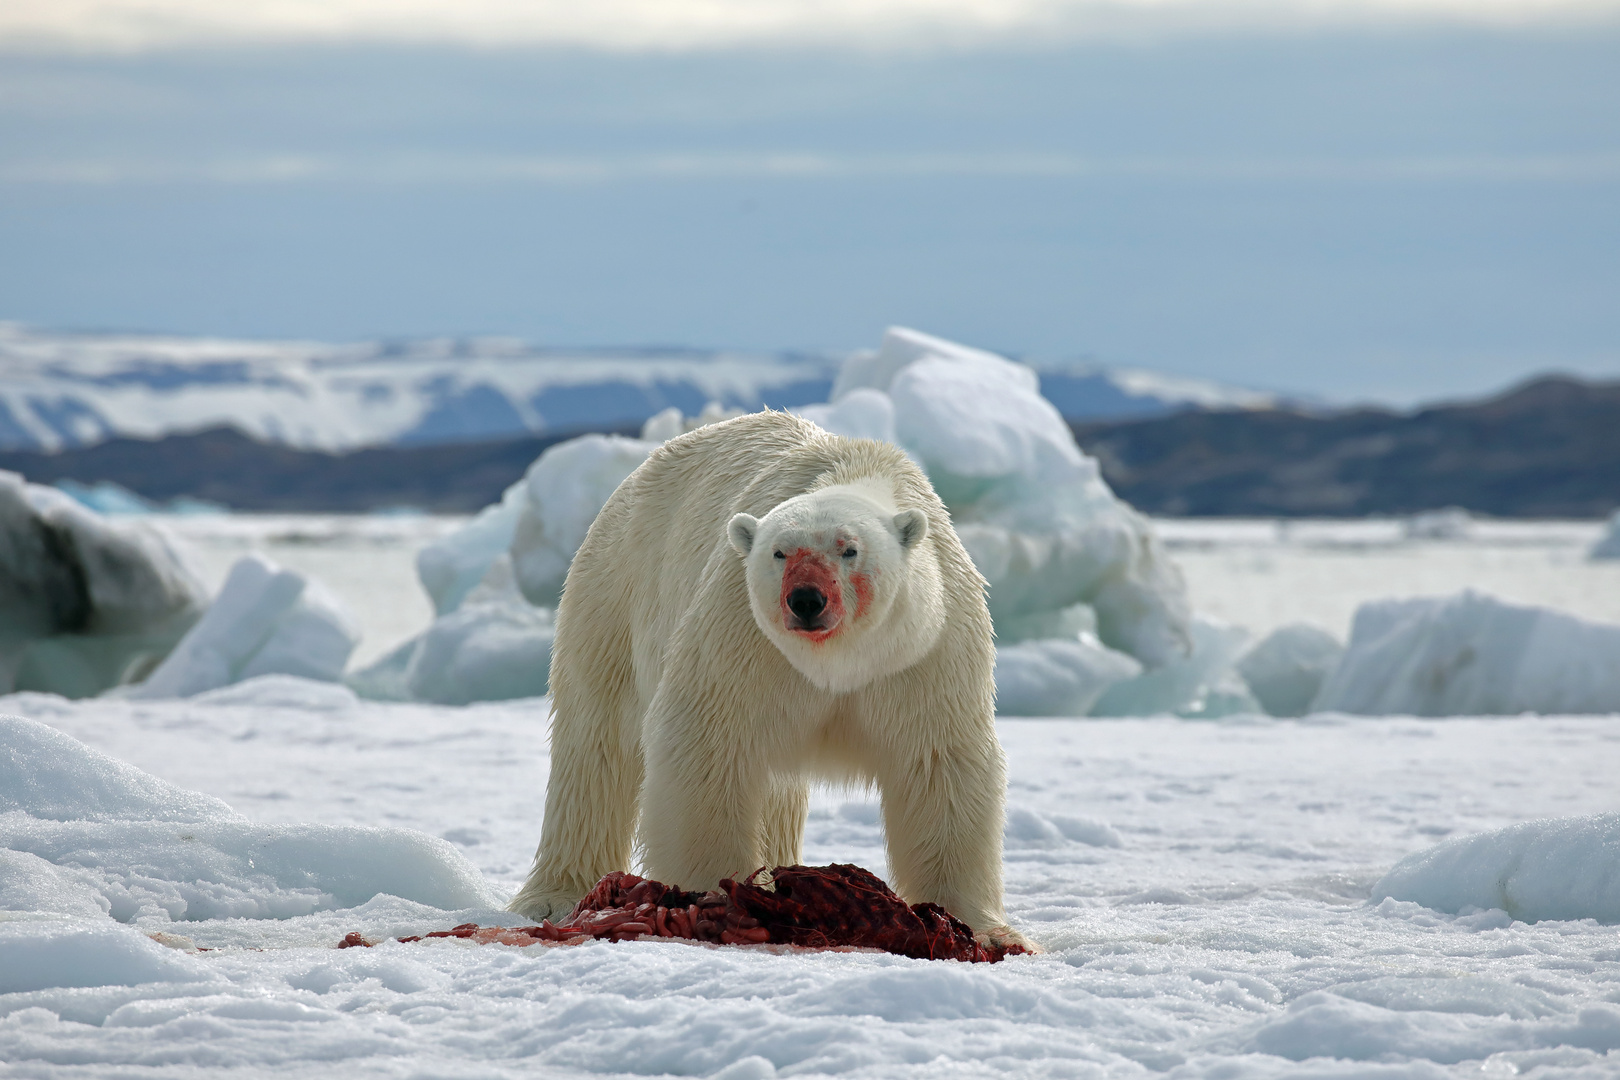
(64,390)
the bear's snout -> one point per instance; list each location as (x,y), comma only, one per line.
(812,602)
(806,602)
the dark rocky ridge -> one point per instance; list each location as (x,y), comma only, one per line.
(1548,448)
(225,466)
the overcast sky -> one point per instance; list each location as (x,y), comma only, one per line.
(1357,200)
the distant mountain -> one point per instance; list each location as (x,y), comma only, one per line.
(226,467)
(61,391)
(1548,448)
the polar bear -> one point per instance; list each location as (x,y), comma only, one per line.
(758,605)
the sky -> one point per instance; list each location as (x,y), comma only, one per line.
(1353,200)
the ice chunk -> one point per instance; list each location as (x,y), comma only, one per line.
(106,497)
(496,646)
(1608,545)
(863,413)
(1056,677)
(265,621)
(1203,684)
(450,566)
(1452,523)
(85,603)
(665,425)
(1561,868)
(82,832)
(1032,510)
(1470,655)
(564,490)
(1286,670)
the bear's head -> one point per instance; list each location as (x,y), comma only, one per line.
(844,584)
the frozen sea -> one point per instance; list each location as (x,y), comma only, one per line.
(1202,888)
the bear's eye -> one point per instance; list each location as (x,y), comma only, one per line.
(850,553)
(779,555)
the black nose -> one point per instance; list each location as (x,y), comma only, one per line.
(806,602)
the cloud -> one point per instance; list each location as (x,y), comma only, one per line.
(647,25)
(441,169)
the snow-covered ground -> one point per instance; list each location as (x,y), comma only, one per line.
(1202,888)
(1210,893)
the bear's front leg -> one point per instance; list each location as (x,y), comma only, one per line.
(943,810)
(704,794)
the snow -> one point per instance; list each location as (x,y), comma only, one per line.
(265,621)
(85,603)
(1564,868)
(1471,654)
(1205,891)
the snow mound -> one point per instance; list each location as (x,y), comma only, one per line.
(44,956)
(85,603)
(1608,545)
(265,621)
(1471,655)
(1286,670)
(1563,868)
(82,834)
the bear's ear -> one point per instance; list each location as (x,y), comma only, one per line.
(911,526)
(741,532)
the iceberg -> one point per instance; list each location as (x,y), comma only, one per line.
(1559,868)
(1473,655)
(1285,672)
(85,835)
(85,603)
(265,621)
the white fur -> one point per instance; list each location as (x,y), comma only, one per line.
(685,703)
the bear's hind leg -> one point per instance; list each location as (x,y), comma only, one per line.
(787,804)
